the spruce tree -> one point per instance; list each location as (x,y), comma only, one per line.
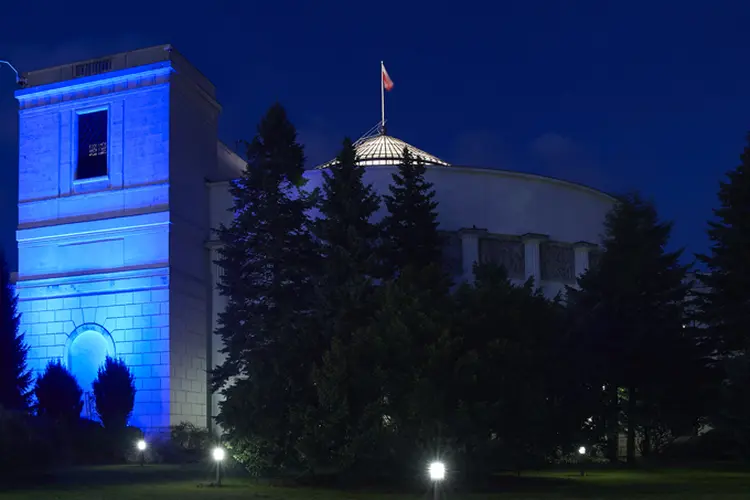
(726,302)
(269,259)
(15,378)
(345,302)
(411,237)
(630,313)
(349,242)
(507,382)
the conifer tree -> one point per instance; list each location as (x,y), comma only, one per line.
(269,260)
(58,395)
(726,302)
(411,237)
(507,382)
(114,393)
(349,242)
(345,302)
(631,313)
(15,378)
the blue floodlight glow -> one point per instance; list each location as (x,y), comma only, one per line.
(93,263)
(87,349)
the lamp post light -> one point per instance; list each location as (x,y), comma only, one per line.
(141,445)
(436,471)
(218,454)
(582,453)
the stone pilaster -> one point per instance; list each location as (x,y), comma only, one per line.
(470,250)
(582,249)
(532,264)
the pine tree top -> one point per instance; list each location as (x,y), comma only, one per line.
(411,227)
(267,254)
(726,303)
(347,206)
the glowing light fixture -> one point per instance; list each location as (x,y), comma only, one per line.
(437,471)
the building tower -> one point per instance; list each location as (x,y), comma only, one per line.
(114,155)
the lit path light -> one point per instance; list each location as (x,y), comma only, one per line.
(218,454)
(582,454)
(436,471)
(141,445)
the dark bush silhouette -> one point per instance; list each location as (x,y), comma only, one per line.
(15,378)
(114,392)
(58,395)
(26,449)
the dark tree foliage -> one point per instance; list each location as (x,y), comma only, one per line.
(726,301)
(269,261)
(345,288)
(15,378)
(508,381)
(114,393)
(381,388)
(348,244)
(732,417)
(411,237)
(27,454)
(58,395)
(629,312)
(348,236)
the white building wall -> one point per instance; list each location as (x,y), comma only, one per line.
(132,306)
(122,258)
(193,159)
(483,202)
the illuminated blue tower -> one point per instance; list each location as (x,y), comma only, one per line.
(114,155)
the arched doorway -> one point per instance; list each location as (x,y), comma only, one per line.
(87,348)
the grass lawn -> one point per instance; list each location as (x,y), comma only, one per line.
(174,483)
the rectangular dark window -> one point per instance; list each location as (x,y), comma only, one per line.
(92,145)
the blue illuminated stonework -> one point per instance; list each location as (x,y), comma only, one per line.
(99,268)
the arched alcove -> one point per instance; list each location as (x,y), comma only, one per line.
(87,348)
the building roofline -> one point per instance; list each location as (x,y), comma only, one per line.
(546,178)
(122,63)
(483,170)
(165,47)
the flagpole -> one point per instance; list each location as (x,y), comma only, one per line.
(382,98)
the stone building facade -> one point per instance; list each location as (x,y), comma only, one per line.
(121,180)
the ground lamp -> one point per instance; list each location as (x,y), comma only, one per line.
(436,471)
(218,454)
(141,445)
(582,453)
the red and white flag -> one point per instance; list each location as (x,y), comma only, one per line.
(387,82)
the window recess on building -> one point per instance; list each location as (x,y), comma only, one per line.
(92,145)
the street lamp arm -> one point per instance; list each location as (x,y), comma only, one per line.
(7,63)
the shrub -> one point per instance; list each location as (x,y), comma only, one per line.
(25,451)
(114,393)
(187,443)
(58,395)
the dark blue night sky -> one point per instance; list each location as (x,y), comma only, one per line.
(648,95)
